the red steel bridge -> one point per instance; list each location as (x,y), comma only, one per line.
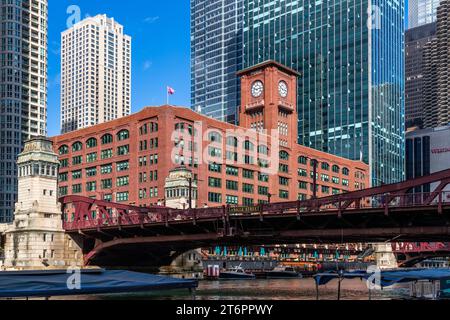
(113,234)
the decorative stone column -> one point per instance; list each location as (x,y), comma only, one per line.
(36,239)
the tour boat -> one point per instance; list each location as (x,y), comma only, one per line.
(283,273)
(236,273)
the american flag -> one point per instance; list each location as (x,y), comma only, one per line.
(170,90)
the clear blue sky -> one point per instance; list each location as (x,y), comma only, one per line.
(160,49)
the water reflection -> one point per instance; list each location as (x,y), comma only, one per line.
(289,289)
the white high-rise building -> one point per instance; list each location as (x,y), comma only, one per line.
(421,12)
(95,73)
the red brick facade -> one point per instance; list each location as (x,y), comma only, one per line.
(128,159)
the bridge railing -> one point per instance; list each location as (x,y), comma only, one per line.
(93,215)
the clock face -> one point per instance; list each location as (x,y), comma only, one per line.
(283,89)
(257,89)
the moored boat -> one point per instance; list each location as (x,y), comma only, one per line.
(283,272)
(236,273)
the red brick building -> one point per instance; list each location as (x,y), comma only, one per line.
(128,159)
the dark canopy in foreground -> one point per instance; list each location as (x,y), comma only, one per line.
(55,283)
(387,278)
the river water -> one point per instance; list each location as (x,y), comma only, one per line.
(298,289)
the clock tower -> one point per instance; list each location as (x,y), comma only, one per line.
(269,100)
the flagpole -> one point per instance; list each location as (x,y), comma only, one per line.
(167,94)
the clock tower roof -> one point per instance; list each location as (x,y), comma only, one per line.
(269,63)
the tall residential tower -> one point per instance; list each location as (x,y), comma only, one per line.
(437,70)
(351,89)
(95,73)
(216,57)
(23,87)
(421,12)
(417,39)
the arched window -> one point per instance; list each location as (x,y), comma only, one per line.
(345,171)
(284,156)
(63,150)
(107,139)
(336,169)
(249,146)
(302,160)
(123,135)
(325,166)
(77,146)
(215,137)
(232,142)
(91,143)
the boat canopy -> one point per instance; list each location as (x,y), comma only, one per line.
(387,278)
(60,283)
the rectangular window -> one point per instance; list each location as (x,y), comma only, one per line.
(123,166)
(248,174)
(91,157)
(215,182)
(122,196)
(63,177)
(106,169)
(247,201)
(232,171)
(123,150)
(303,185)
(284,168)
(77,160)
(248,188)
(264,191)
(91,172)
(215,152)
(123,181)
(77,175)
(63,191)
(214,167)
(64,163)
(214,197)
(77,188)
(232,185)
(284,181)
(232,200)
(284,194)
(263,177)
(91,186)
(107,184)
(107,154)
(302,173)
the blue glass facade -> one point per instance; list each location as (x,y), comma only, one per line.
(350,94)
(23,88)
(216,57)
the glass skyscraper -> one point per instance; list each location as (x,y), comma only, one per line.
(421,12)
(216,57)
(23,88)
(351,60)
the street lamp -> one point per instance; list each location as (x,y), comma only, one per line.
(269,197)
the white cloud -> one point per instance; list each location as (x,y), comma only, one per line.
(151,19)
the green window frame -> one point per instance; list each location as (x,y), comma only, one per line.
(123,135)
(91,143)
(77,160)
(123,181)
(106,168)
(107,139)
(123,150)
(91,157)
